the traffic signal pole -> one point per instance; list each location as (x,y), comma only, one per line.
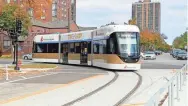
(18,33)
(14,62)
(17,68)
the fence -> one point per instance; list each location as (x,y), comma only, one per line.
(174,85)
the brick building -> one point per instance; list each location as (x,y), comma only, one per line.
(54,19)
(57,10)
(38,27)
(147,14)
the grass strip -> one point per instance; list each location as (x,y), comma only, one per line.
(36,66)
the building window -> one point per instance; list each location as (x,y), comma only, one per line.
(6,42)
(30,12)
(54,9)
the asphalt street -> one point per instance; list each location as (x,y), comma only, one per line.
(66,74)
(164,61)
(9,61)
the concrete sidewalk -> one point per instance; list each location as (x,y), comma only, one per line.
(183,97)
(33,93)
(41,94)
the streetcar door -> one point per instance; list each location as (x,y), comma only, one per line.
(84,53)
(65,53)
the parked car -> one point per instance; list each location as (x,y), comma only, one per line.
(181,55)
(157,52)
(149,55)
(171,53)
(27,56)
(175,52)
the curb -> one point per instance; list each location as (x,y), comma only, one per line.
(163,100)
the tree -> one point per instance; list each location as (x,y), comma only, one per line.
(152,41)
(8,18)
(132,22)
(180,41)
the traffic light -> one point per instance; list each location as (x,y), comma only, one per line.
(18,26)
(12,32)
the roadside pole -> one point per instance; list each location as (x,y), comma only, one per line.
(6,69)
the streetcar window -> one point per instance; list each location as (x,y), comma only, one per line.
(96,47)
(89,47)
(104,46)
(77,48)
(53,48)
(112,47)
(112,44)
(71,48)
(34,47)
(61,48)
(41,48)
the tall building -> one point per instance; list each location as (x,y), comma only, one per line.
(147,14)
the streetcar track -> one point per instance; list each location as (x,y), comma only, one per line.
(93,92)
(131,92)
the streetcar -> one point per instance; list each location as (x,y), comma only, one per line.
(114,47)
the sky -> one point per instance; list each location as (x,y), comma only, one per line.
(94,13)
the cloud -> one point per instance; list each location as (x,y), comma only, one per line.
(104,4)
(100,12)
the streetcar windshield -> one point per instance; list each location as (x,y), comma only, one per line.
(128,44)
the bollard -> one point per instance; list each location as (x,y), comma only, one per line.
(6,69)
(180,82)
(177,87)
(183,73)
(156,102)
(169,96)
(172,94)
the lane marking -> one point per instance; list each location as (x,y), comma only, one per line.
(27,78)
(136,104)
(47,74)
(46,90)
(78,73)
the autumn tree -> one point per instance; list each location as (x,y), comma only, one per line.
(181,41)
(10,13)
(152,41)
(132,21)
